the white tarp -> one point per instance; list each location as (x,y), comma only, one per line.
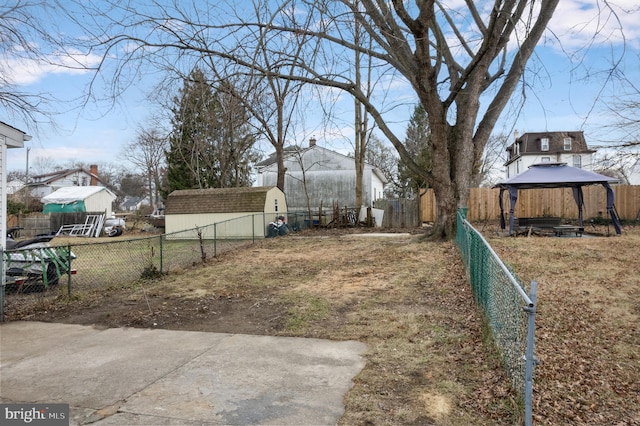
(70,194)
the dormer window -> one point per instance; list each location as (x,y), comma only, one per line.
(567,144)
(544,144)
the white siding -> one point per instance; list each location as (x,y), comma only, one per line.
(9,138)
(329,177)
(522,164)
(227,225)
(99,202)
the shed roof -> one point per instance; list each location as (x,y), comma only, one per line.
(554,175)
(217,200)
(70,194)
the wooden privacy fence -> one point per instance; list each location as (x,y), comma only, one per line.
(399,213)
(559,202)
(33,224)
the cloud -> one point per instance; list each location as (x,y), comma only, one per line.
(580,23)
(25,71)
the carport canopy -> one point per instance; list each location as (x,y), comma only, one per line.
(557,175)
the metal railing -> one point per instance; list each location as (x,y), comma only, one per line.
(509,311)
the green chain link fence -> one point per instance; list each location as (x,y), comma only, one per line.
(509,311)
(89,267)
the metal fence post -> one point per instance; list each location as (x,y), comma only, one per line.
(69,270)
(530,356)
(253,227)
(215,239)
(161,253)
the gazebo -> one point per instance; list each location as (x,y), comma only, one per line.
(557,175)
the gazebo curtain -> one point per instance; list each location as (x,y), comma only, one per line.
(611,209)
(578,197)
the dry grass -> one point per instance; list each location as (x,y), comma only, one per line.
(427,362)
(408,300)
(587,325)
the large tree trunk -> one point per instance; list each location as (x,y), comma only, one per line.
(281,169)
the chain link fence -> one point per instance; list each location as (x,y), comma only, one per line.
(90,267)
(508,310)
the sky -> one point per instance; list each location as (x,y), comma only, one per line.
(559,99)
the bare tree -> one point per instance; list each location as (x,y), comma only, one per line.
(147,153)
(279,96)
(490,166)
(19,27)
(449,57)
(384,158)
(620,157)
(42,165)
(31,44)
(363,131)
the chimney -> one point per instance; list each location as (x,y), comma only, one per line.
(312,142)
(93,169)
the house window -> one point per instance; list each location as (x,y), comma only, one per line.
(545,160)
(276,205)
(84,181)
(567,144)
(517,149)
(577,161)
(544,144)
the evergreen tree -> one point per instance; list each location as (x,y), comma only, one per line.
(210,145)
(418,144)
(186,164)
(234,140)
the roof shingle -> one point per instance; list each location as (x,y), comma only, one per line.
(217,200)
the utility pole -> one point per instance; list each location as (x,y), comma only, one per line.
(26,172)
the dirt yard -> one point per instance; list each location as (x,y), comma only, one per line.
(428,360)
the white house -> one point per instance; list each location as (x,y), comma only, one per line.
(548,147)
(324,175)
(10,137)
(13,186)
(43,185)
(634,172)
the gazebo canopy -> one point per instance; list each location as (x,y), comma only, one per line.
(557,175)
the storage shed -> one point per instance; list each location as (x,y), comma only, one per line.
(71,199)
(237,212)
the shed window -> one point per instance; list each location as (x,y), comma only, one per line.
(567,144)
(544,144)
(545,160)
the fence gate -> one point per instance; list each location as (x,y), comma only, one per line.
(400,213)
